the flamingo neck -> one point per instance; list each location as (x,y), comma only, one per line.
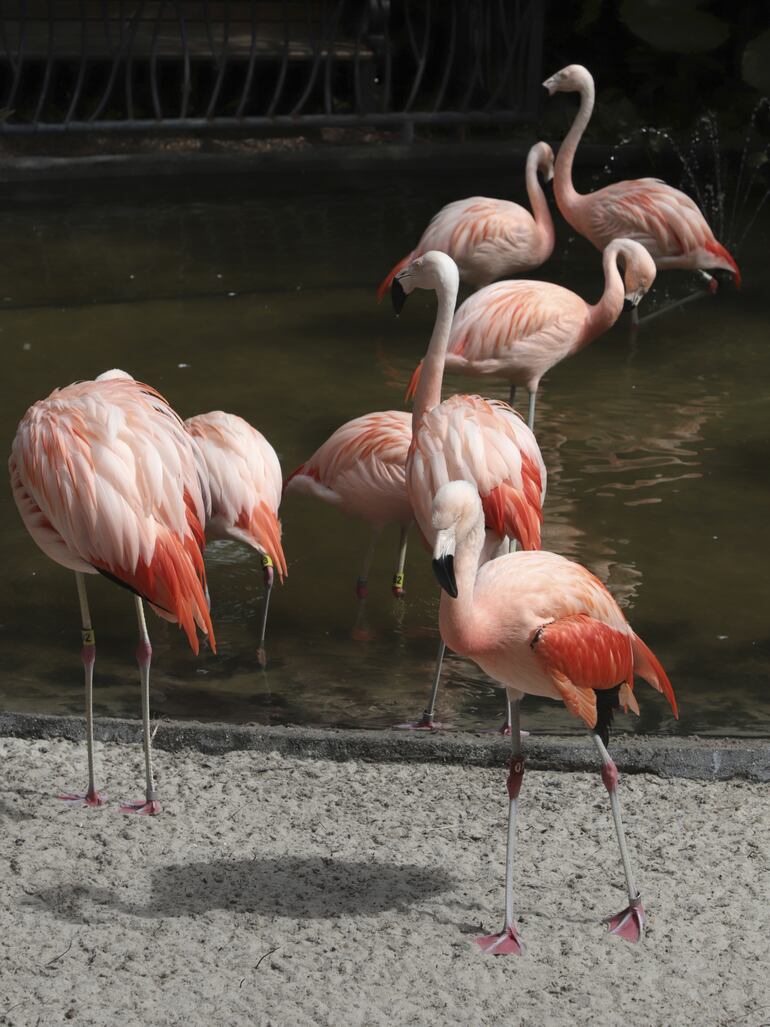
(604,314)
(428,392)
(567,197)
(461,626)
(539,203)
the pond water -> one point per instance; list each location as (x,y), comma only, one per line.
(256,295)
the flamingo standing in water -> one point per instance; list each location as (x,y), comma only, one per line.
(490,239)
(107,480)
(520,330)
(539,624)
(361,469)
(663,219)
(466,437)
(245,480)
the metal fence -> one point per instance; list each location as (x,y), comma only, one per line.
(120,66)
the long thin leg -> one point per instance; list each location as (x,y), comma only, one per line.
(150,806)
(360,630)
(629,923)
(508,942)
(426,721)
(269,576)
(512,395)
(398,578)
(531,411)
(88,656)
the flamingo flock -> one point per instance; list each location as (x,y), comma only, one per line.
(109,479)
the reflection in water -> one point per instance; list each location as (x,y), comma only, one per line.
(258,297)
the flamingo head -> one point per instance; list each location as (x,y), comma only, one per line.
(432,270)
(542,154)
(456,514)
(572,79)
(639,273)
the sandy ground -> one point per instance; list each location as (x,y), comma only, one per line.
(278,891)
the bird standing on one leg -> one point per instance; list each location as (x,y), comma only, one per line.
(539,624)
(244,477)
(107,480)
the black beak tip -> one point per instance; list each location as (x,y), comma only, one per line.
(444,572)
(628,304)
(397,296)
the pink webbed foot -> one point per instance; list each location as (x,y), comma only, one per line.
(423,724)
(90,798)
(144,807)
(506,943)
(629,923)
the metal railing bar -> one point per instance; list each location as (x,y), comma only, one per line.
(156,106)
(449,60)
(318,47)
(284,65)
(252,62)
(422,59)
(48,65)
(504,78)
(186,81)
(82,66)
(221,60)
(117,54)
(329,64)
(11,101)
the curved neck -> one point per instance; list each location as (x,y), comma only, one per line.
(428,392)
(566,196)
(458,615)
(538,202)
(604,314)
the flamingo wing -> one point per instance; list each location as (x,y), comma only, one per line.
(106,478)
(486,443)
(362,468)
(244,477)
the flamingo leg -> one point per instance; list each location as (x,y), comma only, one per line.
(360,631)
(629,923)
(531,411)
(398,578)
(426,721)
(88,655)
(512,396)
(269,576)
(151,805)
(507,941)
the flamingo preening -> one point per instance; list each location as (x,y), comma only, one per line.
(244,477)
(361,469)
(490,239)
(539,624)
(663,219)
(107,480)
(481,441)
(519,330)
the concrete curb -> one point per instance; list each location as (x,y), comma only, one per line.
(700,759)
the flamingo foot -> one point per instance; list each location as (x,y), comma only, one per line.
(713,286)
(425,723)
(506,943)
(90,798)
(363,635)
(261,658)
(143,807)
(629,923)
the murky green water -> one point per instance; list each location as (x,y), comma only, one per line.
(257,296)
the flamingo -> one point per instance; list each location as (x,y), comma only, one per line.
(108,481)
(490,239)
(663,219)
(482,441)
(539,624)
(361,469)
(519,330)
(245,480)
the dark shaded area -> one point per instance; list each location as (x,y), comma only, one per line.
(319,888)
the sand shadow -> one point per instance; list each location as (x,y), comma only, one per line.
(313,888)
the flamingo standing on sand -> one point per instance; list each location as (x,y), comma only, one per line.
(539,624)
(519,330)
(361,469)
(481,441)
(490,239)
(663,219)
(244,477)
(107,480)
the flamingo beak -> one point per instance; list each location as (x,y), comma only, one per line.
(444,572)
(550,84)
(397,296)
(633,299)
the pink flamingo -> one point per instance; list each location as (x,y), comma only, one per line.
(663,219)
(519,330)
(481,441)
(490,239)
(539,624)
(361,469)
(245,481)
(108,481)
